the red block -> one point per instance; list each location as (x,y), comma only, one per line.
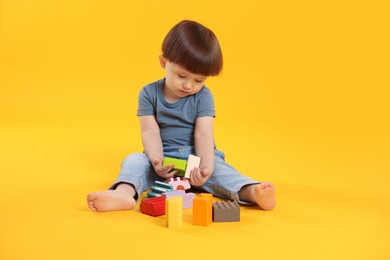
(153,206)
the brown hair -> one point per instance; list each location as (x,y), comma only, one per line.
(194,47)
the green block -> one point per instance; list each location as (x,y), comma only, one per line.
(179,165)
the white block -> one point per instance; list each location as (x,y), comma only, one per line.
(192,162)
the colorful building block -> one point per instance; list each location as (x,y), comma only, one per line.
(188,200)
(159,188)
(173,193)
(179,184)
(153,206)
(174,211)
(202,209)
(193,162)
(226,211)
(187,197)
(179,165)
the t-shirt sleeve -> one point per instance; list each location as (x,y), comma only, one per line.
(145,103)
(206,104)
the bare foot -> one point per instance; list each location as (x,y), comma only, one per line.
(264,195)
(110,200)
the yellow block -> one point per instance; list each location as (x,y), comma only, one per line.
(202,210)
(174,211)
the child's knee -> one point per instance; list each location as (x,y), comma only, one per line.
(135,159)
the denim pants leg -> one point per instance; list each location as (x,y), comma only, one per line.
(136,169)
(226,181)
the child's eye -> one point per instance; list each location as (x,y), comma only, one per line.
(181,76)
(199,81)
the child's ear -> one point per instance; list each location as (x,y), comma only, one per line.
(163,60)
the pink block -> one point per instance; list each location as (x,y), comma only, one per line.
(179,184)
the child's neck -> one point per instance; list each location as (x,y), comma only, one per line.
(168,96)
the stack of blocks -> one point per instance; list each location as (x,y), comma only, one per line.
(204,211)
(170,199)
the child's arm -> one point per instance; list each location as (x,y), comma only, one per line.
(151,140)
(204,146)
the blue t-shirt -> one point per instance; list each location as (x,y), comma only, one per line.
(176,120)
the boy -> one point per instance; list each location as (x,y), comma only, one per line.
(176,117)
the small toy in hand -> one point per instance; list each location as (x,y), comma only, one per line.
(193,162)
(179,165)
(183,167)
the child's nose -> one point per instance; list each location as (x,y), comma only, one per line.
(187,85)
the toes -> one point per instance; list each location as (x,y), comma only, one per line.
(263,185)
(91,206)
(267,185)
(91,196)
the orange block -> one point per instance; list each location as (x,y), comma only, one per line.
(202,209)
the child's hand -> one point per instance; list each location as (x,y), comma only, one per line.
(200,176)
(164,171)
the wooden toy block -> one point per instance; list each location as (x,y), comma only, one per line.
(188,200)
(187,197)
(179,165)
(173,193)
(226,211)
(174,211)
(202,210)
(179,184)
(193,162)
(159,188)
(153,206)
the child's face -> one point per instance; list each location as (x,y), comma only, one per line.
(179,82)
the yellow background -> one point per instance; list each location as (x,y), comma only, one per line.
(303,101)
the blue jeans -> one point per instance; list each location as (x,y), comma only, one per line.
(225,182)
